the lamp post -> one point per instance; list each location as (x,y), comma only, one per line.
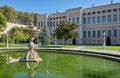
(104,40)
(7,40)
(55,41)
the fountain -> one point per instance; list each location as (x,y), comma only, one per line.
(31,55)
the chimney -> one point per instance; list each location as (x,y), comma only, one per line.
(92,5)
(111,1)
(57,11)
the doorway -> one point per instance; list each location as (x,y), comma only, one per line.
(74,41)
(108,41)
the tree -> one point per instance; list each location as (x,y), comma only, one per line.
(65,31)
(10,13)
(17,34)
(3,38)
(45,36)
(3,22)
(18,17)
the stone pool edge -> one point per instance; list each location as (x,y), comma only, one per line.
(99,54)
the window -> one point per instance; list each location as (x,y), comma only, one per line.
(94,34)
(50,18)
(41,24)
(104,11)
(98,19)
(89,34)
(93,12)
(98,12)
(115,33)
(103,19)
(89,20)
(60,22)
(60,17)
(84,13)
(56,17)
(119,17)
(73,20)
(115,9)
(119,32)
(53,18)
(115,18)
(38,24)
(109,33)
(50,24)
(63,16)
(56,23)
(98,34)
(84,20)
(53,24)
(109,10)
(89,13)
(78,20)
(84,34)
(93,20)
(109,18)
(69,20)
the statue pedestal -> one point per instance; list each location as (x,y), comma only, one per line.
(31,56)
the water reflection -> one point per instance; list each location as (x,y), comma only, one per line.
(34,74)
(60,66)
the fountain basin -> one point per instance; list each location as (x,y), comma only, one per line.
(61,65)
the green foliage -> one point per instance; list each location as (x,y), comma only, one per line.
(17,34)
(3,22)
(45,36)
(66,31)
(10,13)
(3,38)
(18,17)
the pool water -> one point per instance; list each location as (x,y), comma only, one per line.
(59,65)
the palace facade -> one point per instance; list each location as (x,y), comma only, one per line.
(92,23)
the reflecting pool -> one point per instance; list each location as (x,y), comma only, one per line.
(58,65)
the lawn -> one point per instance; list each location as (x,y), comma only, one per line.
(117,48)
(41,46)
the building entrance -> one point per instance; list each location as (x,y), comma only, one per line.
(108,41)
(74,41)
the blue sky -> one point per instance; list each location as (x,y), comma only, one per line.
(50,6)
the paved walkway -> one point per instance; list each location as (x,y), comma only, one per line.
(82,48)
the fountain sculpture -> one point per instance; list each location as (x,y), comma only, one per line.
(31,55)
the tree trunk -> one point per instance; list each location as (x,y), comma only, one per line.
(64,42)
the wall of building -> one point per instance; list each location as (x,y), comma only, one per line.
(98,19)
(92,23)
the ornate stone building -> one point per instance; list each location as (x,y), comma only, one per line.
(92,23)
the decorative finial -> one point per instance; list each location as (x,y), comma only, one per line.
(111,1)
(57,11)
(31,23)
(92,5)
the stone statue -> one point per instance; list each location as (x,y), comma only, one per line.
(31,55)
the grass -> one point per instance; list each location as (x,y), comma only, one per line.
(41,46)
(12,46)
(62,46)
(116,48)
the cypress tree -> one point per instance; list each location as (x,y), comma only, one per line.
(45,36)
